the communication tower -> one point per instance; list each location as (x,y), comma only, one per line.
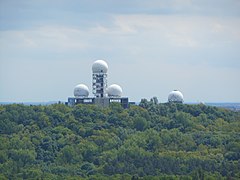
(103,95)
(99,78)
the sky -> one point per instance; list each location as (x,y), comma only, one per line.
(151,46)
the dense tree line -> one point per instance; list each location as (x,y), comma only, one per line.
(149,141)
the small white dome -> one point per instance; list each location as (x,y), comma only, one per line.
(175,96)
(81,90)
(99,66)
(114,91)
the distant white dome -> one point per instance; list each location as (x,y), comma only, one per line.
(114,91)
(99,66)
(81,90)
(175,96)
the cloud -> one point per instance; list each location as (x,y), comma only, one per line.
(27,14)
(183,30)
(55,39)
(134,35)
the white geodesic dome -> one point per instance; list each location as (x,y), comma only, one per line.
(114,91)
(99,66)
(81,90)
(175,96)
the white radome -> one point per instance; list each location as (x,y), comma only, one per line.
(99,66)
(175,96)
(81,90)
(114,91)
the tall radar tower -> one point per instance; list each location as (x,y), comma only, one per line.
(99,78)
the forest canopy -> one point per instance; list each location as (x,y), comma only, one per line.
(149,141)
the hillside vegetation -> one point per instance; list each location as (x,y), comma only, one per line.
(149,141)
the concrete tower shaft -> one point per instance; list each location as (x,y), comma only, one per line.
(99,78)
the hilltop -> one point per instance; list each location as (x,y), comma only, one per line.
(171,141)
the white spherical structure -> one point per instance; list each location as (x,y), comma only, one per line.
(114,91)
(175,96)
(99,66)
(81,90)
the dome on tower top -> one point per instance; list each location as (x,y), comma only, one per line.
(99,66)
(114,91)
(81,90)
(175,96)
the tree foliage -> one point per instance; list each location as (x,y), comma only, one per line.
(149,141)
